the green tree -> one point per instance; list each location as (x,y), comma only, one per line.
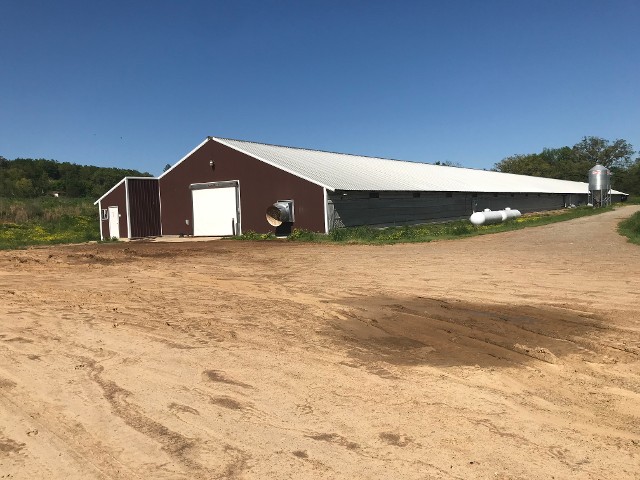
(627,180)
(525,164)
(564,164)
(448,163)
(24,188)
(26,177)
(616,154)
(573,163)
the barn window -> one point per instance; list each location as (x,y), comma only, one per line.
(374,194)
(416,194)
(104,214)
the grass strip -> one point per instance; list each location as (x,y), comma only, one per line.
(51,221)
(630,228)
(429,232)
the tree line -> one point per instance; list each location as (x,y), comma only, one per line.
(574,163)
(29,178)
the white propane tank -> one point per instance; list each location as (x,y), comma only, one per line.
(511,213)
(477,218)
(489,217)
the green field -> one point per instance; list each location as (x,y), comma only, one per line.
(47,220)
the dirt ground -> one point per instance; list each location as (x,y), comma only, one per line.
(513,355)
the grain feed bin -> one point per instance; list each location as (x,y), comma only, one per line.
(599,186)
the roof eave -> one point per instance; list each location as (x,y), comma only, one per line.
(185,157)
(110,190)
(238,149)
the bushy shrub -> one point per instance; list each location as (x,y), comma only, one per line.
(251,235)
(303,235)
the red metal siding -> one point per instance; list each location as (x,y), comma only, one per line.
(260,186)
(117,198)
(144,207)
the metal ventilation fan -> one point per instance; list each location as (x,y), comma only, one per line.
(280,212)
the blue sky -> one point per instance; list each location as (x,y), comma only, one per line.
(138,84)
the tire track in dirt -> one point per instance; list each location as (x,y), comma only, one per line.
(67,435)
(184,450)
(181,448)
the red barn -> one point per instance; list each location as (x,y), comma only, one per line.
(225,186)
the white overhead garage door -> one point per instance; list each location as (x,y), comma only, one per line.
(215,209)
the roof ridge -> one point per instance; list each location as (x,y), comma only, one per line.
(413,162)
(475,169)
(335,153)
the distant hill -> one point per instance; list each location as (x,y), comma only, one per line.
(29,178)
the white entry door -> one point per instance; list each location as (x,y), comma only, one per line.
(215,209)
(114,222)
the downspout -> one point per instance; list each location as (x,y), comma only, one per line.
(326,210)
(100,217)
(126,189)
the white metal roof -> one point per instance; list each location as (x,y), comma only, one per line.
(340,171)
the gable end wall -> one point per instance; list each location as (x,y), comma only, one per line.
(260,186)
(117,198)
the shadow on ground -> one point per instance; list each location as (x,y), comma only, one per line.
(419,330)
